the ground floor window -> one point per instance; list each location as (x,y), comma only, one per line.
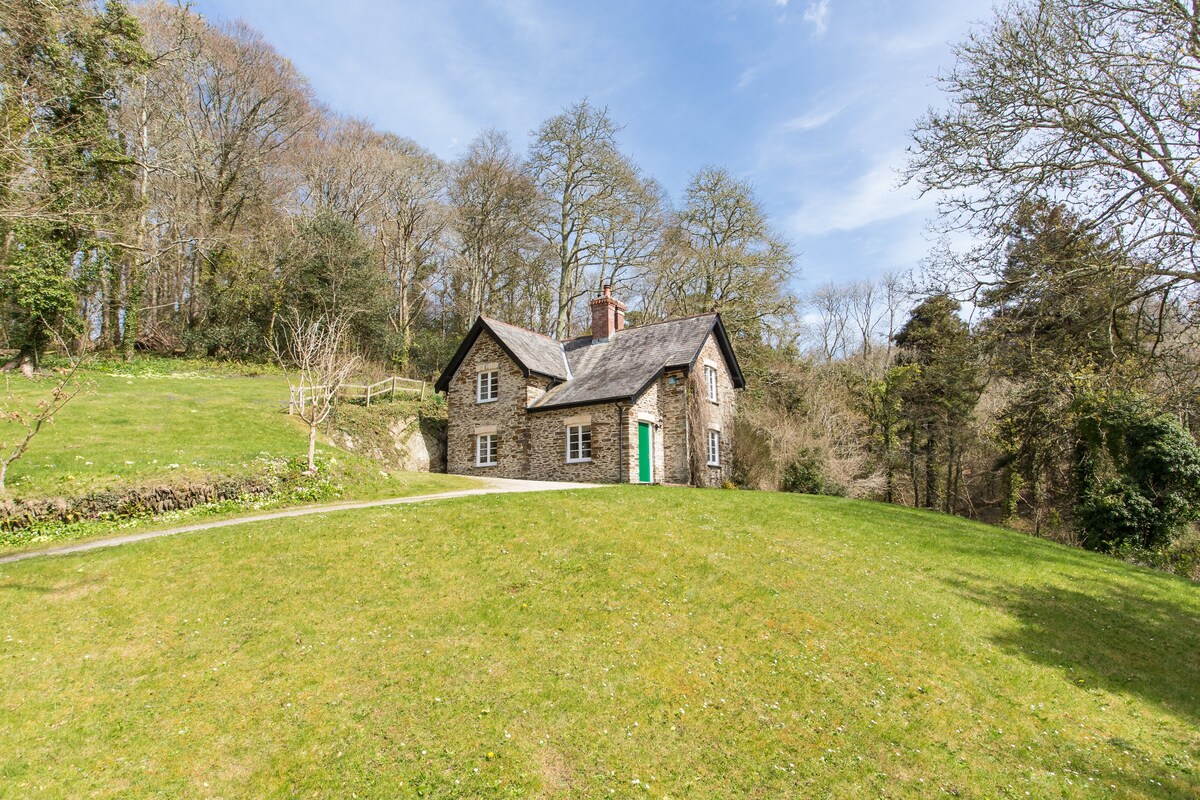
(714,448)
(485,450)
(579,443)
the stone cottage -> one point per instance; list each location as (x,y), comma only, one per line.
(647,404)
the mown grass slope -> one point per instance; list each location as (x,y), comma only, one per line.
(628,642)
(162,422)
(154,420)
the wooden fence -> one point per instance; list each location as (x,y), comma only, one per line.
(302,396)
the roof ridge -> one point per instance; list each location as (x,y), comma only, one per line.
(518,327)
(672,319)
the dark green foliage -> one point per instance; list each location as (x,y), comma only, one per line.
(37,291)
(1137,473)
(239,312)
(938,397)
(329,271)
(807,475)
(63,171)
(430,351)
(1063,297)
(884,403)
(1061,317)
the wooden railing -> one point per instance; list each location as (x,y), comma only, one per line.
(302,396)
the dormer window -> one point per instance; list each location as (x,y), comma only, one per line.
(710,378)
(487,387)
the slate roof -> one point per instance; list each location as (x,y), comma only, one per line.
(625,365)
(590,371)
(535,352)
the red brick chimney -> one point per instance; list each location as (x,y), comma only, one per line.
(608,316)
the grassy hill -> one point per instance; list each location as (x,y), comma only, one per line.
(625,642)
(159,422)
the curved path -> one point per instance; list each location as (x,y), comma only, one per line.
(490,486)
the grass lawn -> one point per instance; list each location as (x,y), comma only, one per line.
(161,421)
(627,642)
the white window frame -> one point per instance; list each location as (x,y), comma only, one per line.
(714,448)
(710,378)
(577,432)
(488,451)
(490,380)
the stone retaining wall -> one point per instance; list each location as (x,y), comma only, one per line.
(23,513)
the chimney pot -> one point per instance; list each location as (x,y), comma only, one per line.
(608,316)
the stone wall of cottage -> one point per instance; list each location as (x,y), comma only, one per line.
(672,410)
(506,414)
(548,444)
(644,410)
(534,445)
(709,415)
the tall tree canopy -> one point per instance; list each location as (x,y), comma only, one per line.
(722,254)
(1091,103)
(585,185)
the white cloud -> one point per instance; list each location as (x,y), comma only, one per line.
(817,14)
(748,76)
(870,198)
(812,120)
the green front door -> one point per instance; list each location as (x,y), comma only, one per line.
(644,471)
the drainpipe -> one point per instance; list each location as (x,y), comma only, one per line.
(687,431)
(621,454)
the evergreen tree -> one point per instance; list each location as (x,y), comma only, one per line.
(939,398)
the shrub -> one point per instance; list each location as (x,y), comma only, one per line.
(1137,472)
(807,475)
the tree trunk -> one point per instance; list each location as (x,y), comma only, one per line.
(312,448)
(889,467)
(948,497)
(930,471)
(912,467)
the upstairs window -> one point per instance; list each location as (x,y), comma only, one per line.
(710,378)
(579,443)
(714,448)
(485,450)
(487,387)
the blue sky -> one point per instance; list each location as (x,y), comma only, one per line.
(809,100)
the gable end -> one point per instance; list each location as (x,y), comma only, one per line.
(443,382)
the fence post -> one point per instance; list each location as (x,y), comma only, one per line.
(422,390)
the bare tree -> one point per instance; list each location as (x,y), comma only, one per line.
(831,303)
(722,254)
(630,235)
(491,216)
(407,225)
(861,299)
(227,113)
(897,300)
(1091,103)
(313,355)
(579,173)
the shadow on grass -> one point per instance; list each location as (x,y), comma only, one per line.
(1103,635)
(64,590)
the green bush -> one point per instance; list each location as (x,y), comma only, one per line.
(807,475)
(1137,474)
